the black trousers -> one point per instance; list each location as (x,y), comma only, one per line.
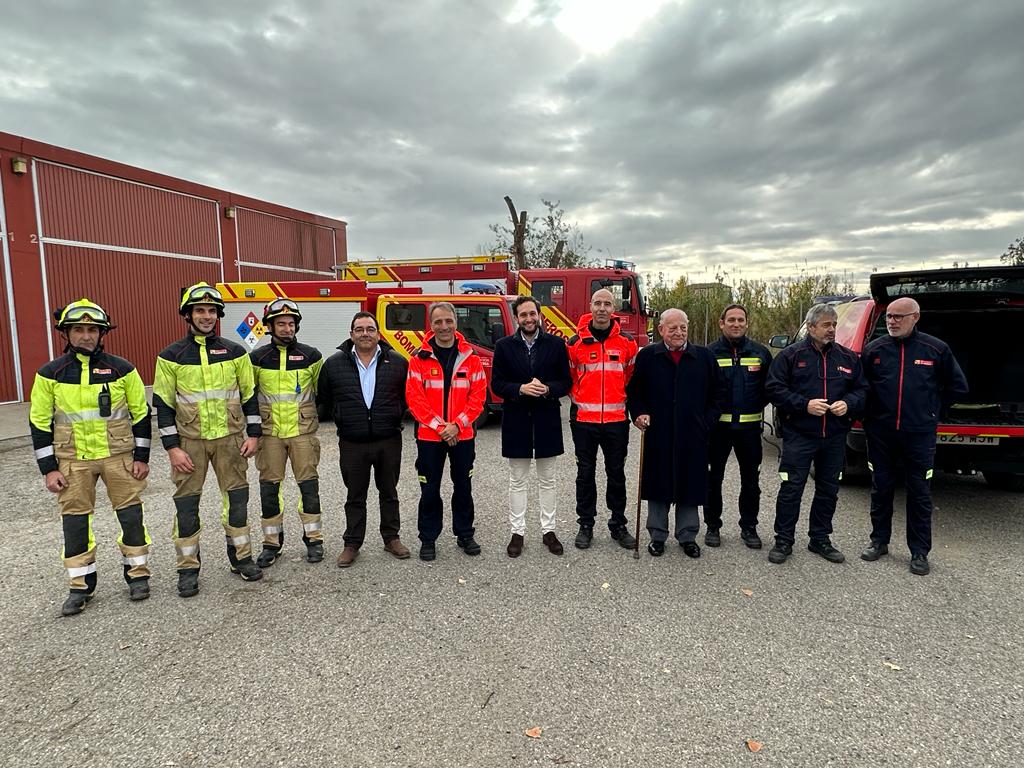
(613,440)
(430,458)
(384,458)
(798,453)
(746,442)
(893,453)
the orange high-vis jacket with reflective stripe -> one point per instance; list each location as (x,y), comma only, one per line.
(600,372)
(424,391)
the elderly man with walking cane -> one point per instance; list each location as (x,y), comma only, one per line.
(674,397)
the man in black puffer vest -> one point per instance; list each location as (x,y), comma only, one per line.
(363,386)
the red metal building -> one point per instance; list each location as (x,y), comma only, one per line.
(74,225)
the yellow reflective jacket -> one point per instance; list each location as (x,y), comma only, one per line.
(204,389)
(88,407)
(286,381)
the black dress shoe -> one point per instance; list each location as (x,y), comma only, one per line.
(825,549)
(427,551)
(874,551)
(75,603)
(248,570)
(624,537)
(690,548)
(188,583)
(780,552)
(314,552)
(713,538)
(268,557)
(138,590)
(919,565)
(750,538)
(584,537)
(515,546)
(468,545)
(656,548)
(552,543)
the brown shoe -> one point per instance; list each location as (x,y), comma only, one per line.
(347,557)
(552,543)
(515,547)
(396,548)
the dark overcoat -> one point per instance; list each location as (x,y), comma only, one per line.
(684,402)
(531,427)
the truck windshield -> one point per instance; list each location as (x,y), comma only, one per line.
(641,294)
(621,289)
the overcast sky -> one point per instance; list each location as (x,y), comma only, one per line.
(764,137)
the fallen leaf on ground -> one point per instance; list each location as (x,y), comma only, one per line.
(754,746)
(534,733)
(123,646)
(892,666)
(606,585)
(462,581)
(747,592)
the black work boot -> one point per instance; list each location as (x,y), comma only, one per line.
(314,552)
(428,551)
(248,570)
(713,538)
(624,537)
(267,557)
(75,603)
(468,545)
(780,552)
(750,538)
(138,590)
(823,548)
(188,583)
(584,537)
(919,565)
(874,551)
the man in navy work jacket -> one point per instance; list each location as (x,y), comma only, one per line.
(744,365)
(817,386)
(530,373)
(913,377)
(674,396)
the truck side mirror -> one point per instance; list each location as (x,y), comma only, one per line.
(497,332)
(626,307)
(779,342)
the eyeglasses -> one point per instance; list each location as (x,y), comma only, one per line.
(898,318)
(361,331)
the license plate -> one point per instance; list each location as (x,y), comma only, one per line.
(967,440)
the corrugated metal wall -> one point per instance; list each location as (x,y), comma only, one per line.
(140,292)
(8,375)
(92,208)
(267,240)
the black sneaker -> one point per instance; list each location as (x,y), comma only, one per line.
(656,548)
(780,552)
(624,537)
(919,565)
(690,548)
(188,583)
(468,545)
(248,570)
(314,552)
(268,557)
(138,590)
(713,538)
(874,551)
(584,537)
(75,603)
(825,549)
(427,551)
(750,538)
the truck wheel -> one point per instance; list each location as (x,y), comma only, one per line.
(1005,481)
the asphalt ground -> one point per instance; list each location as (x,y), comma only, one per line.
(655,662)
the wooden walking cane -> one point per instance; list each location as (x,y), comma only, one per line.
(639,477)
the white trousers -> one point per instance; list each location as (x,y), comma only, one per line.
(518,493)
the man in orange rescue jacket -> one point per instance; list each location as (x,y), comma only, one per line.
(601,359)
(446,390)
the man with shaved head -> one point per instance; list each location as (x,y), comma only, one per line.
(601,359)
(912,377)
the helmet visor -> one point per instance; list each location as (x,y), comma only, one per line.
(282,306)
(85,315)
(203,294)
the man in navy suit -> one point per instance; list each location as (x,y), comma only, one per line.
(530,373)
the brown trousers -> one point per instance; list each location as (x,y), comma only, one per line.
(77,503)
(271,460)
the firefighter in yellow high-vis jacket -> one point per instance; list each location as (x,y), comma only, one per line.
(89,419)
(286,379)
(205,398)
